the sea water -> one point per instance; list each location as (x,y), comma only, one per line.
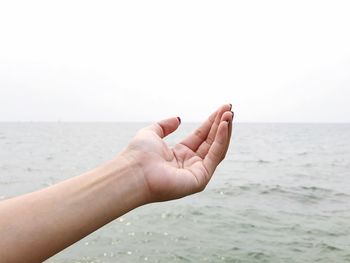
(281,195)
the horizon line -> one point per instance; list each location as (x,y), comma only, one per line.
(184,122)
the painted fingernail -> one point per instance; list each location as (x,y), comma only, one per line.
(179,119)
(233,114)
(230,106)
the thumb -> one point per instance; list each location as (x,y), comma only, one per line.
(165,127)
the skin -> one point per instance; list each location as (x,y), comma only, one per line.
(38,225)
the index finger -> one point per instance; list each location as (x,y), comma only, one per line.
(194,140)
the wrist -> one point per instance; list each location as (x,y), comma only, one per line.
(129,171)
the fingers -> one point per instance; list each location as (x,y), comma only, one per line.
(229,135)
(205,146)
(201,134)
(217,149)
(165,127)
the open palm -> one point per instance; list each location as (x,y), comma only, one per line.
(171,173)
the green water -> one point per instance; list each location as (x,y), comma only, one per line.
(282,195)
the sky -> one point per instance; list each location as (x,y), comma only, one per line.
(275,61)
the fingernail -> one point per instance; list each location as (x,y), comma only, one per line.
(230,106)
(179,119)
(233,114)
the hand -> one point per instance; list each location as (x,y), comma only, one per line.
(171,173)
(37,225)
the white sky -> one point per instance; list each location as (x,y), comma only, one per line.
(276,61)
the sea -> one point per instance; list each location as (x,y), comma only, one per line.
(281,195)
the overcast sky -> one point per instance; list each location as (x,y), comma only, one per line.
(275,61)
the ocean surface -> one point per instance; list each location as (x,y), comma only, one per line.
(281,195)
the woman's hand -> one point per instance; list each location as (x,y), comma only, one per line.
(171,173)
(37,225)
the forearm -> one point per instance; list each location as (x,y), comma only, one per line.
(56,217)
(35,226)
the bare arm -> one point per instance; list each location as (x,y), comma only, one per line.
(37,225)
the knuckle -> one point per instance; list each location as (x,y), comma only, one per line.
(209,140)
(198,133)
